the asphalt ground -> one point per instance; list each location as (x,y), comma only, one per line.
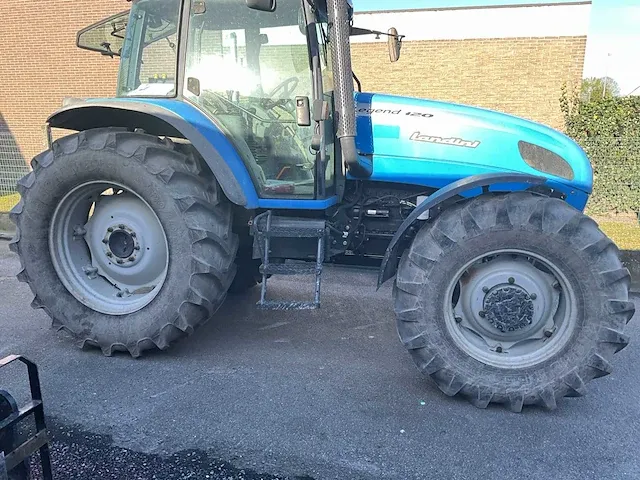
(327,394)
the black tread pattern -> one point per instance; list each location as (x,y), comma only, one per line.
(522,211)
(207,214)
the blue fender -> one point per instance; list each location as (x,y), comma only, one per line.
(388,268)
(172,118)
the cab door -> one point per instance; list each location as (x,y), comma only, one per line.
(246,69)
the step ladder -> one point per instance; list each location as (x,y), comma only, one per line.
(267,226)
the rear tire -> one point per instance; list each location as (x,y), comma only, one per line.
(594,287)
(194,216)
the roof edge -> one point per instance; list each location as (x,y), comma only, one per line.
(477,7)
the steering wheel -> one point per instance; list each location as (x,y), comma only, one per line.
(287,86)
(283,89)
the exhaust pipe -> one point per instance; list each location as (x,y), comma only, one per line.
(345,114)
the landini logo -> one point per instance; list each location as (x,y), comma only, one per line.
(458,142)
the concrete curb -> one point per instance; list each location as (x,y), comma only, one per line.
(630,258)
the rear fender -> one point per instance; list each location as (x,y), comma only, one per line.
(170,118)
(390,261)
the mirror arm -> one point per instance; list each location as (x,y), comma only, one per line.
(355,77)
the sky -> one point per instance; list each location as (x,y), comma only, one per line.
(613,42)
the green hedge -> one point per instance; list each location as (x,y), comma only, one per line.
(609,131)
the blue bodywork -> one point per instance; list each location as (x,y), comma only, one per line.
(403,138)
(391,130)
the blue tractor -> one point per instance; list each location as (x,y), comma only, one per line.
(239,148)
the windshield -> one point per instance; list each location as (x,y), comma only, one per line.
(150,51)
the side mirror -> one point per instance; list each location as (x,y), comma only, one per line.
(262,5)
(395,44)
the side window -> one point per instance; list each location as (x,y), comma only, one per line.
(106,36)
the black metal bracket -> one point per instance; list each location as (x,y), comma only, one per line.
(12,456)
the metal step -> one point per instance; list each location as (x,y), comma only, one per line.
(287,227)
(288,269)
(267,226)
(275,305)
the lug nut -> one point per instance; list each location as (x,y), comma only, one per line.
(120,261)
(512,280)
(110,229)
(109,254)
(131,259)
(548,333)
(482,313)
(485,289)
(345,243)
(119,294)
(556,285)
(533,296)
(133,234)
(105,241)
(498,349)
(121,227)
(458,319)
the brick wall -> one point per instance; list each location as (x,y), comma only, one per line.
(521,76)
(41,65)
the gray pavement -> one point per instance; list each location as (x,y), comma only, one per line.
(329,394)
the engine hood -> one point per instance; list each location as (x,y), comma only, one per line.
(433,143)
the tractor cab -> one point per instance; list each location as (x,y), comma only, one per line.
(262,73)
(256,74)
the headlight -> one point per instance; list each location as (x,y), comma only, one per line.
(545,160)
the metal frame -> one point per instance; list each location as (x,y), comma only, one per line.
(39,441)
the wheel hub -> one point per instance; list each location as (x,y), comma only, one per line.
(121,243)
(508,308)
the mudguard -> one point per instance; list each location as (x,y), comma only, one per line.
(171,118)
(389,264)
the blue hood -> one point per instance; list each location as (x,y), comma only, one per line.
(433,143)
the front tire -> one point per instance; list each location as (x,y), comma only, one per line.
(493,330)
(123,240)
